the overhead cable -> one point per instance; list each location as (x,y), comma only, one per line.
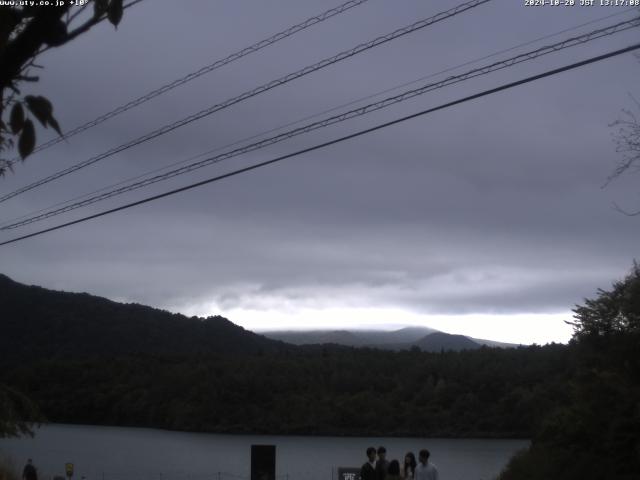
(204,70)
(309,117)
(251,93)
(335,141)
(509,62)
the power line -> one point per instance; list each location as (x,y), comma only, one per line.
(204,70)
(570,42)
(337,140)
(251,93)
(339,118)
(315,115)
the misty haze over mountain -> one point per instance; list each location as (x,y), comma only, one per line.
(427,339)
(49,322)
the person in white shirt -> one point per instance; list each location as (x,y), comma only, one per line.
(424,469)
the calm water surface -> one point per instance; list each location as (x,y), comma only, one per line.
(114,453)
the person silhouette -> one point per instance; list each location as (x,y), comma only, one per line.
(368,470)
(29,472)
(382,465)
(409,467)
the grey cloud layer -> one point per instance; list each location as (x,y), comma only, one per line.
(492,206)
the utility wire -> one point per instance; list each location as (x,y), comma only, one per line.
(204,70)
(337,140)
(315,115)
(251,93)
(571,42)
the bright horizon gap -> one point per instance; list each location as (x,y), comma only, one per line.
(518,328)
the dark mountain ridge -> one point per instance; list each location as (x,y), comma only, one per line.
(40,323)
(131,365)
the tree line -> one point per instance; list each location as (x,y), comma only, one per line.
(579,403)
(488,392)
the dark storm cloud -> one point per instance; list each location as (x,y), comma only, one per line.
(490,207)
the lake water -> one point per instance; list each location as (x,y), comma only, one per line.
(114,453)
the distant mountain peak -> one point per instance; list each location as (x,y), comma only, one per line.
(438,341)
(427,339)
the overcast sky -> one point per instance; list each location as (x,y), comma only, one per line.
(487,219)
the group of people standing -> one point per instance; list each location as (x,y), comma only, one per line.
(378,467)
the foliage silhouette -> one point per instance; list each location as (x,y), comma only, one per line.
(26,32)
(595,434)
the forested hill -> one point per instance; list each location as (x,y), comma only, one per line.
(132,365)
(444,341)
(40,323)
(578,402)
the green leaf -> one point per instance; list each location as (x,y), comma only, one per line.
(27,139)
(16,121)
(55,33)
(54,123)
(41,108)
(9,20)
(99,7)
(115,12)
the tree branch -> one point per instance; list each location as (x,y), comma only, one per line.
(619,209)
(85,27)
(27,44)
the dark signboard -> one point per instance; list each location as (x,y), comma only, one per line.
(348,473)
(263,462)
